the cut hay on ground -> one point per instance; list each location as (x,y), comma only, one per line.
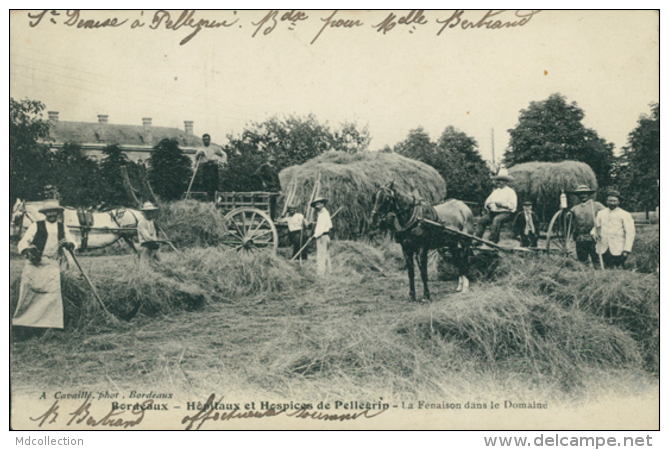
(350,181)
(543,182)
(189,223)
(624,298)
(504,328)
(645,256)
(126,288)
(231,276)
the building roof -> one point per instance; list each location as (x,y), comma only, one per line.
(129,135)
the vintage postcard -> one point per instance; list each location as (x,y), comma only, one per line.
(215,216)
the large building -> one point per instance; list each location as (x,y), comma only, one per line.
(137,141)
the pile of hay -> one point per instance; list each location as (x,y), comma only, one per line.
(506,328)
(229,275)
(189,223)
(543,182)
(126,288)
(362,258)
(350,181)
(645,256)
(626,299)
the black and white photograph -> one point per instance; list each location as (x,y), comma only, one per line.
(334,220)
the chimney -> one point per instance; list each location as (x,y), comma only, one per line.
(188,126)
(146,121)
(102,127)
(53,116)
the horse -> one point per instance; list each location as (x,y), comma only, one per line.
(100,229)
(404,214)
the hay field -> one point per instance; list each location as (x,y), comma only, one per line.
(211,321)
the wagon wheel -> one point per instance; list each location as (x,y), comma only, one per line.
(249,230)
(560,234)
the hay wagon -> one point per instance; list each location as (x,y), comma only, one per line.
(248,222)
(559,237)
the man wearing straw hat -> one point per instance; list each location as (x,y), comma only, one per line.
(322,236)
(583,218)
(40,303)
(146,233)
(614,231)
(296,229)
(499,206)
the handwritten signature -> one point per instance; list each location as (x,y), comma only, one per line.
(191,20)
(208,413)
(82,415)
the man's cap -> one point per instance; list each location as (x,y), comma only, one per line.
(613,193)
(51,205)
(527,202)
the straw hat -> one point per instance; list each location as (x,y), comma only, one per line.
(51,205)
(527,203)
(503,175)
(583,189)
(319,199)
(148,206)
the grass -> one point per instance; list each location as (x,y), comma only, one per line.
(268,326)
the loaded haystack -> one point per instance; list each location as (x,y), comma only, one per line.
(350,181)
(189,223)
(542,183)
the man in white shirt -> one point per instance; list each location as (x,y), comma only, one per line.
(322,236)
(147,235)
(212,158)
(499,206)
(296,226)
(614,232)
(40,303)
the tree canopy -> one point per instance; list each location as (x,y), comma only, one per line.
(638,173)
(455,156)
(551,130)
(292,140)
(29,161)
(169,170)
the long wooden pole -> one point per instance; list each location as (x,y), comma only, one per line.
(95,291)
(594,219)
(312,238)
(190,185)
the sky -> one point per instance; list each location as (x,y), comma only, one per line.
(475,79)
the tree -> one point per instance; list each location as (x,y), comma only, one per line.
(75,176)
(551,130)
(459,162)
(638,172)
(455,156)
(113,160)
(292,140)
(418,146)
(169,170)
(29,160)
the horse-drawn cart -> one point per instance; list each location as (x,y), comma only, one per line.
(248,222)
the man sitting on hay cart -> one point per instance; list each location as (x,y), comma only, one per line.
(499,206)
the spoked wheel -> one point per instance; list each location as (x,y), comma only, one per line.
(250,230)
(560,235)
